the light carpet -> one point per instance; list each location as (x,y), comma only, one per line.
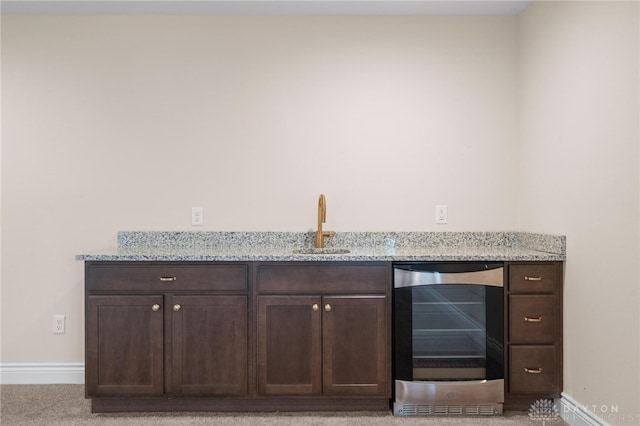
(36,405)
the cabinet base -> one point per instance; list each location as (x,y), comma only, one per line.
(163,404)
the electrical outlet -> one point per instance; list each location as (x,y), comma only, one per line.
(58,324)
(196,216)
(441,214)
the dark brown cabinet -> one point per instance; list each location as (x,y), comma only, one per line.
(289,345)
(354,345)
(209,345)
(330,345)
(534,332)
(242,336)
(323,330)
(159,330)
(125,345)
(238,336)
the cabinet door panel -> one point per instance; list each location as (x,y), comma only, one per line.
(289,345)
(124,339)
(355,343)
(209,345)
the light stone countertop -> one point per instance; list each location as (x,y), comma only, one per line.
(362,246)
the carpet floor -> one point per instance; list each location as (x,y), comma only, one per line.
(36,405)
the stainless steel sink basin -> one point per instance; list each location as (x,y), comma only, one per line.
(329,250)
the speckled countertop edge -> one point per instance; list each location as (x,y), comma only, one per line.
(363,246)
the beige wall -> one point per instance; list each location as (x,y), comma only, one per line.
(125,123)
(579,160)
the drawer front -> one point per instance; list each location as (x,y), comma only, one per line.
(166,277)
(532,319)
(533,369)
(535,278)
(323,278)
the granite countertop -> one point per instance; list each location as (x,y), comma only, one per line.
(362,246)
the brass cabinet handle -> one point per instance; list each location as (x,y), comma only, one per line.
(533,278)
(176,307)
(155,308)
(533,370)
(327,307)
(315,307)
(531,319)
(168,279)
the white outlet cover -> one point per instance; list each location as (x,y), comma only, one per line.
(441,214)
(197,218)
(58,324)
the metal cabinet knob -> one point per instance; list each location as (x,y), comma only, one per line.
(315,307)
(155,308)
(176,307)
(533,370)
(327,307)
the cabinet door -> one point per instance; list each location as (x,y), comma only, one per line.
(124,340)
(289,345)
(209,339)
(355,346)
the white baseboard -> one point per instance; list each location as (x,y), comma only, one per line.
(575,414)
(41,373)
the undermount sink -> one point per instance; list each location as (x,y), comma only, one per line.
(314,250)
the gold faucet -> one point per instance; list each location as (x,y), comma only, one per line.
(322,217)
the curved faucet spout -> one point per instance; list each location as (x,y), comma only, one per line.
(322,217)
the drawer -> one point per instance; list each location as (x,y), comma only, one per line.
(166,277)
(534,278)
(322,278)
(533,369)
(532,319)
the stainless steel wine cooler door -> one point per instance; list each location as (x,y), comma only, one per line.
(448,338)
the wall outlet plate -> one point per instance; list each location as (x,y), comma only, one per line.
(441,214)
(197,218)
(58,324)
